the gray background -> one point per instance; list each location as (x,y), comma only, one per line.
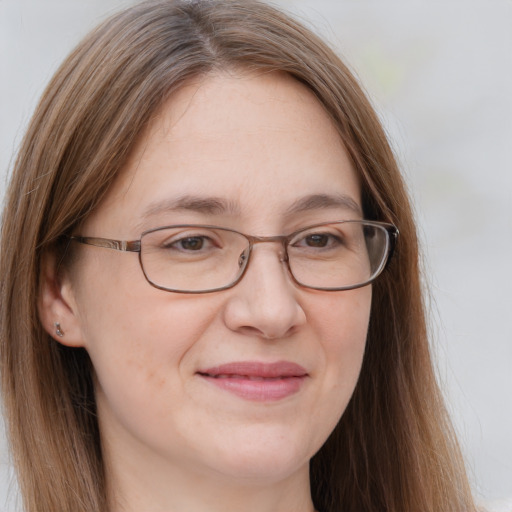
(440,75)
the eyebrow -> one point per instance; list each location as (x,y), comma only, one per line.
(324,201)
(199,204)
(220,206)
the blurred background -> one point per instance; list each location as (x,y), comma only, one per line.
(440,75)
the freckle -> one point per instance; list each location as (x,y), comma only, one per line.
(152,376)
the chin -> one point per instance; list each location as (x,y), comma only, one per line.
(264,456)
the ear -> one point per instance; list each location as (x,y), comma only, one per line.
(58,310)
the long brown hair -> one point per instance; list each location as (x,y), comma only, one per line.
(393,449)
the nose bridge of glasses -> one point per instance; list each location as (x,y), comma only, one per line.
(277,239)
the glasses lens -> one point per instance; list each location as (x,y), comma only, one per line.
(193,258)
(338,255)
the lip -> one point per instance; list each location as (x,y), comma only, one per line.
(257,381)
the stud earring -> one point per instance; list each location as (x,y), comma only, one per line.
(58,331)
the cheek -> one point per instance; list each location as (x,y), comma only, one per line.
(144,334)
(342,318)
(142,362)
(138,337)
(341,321)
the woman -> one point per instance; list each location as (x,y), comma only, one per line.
(255,354)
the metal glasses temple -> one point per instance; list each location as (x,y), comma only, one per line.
(118,245)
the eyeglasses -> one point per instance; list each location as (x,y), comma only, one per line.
(193,258)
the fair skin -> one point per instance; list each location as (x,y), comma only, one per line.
(172,440)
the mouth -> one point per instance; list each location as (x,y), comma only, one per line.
(257,381)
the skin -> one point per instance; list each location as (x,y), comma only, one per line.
(173,441)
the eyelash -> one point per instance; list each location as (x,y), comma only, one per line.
(332,239)
(173,244)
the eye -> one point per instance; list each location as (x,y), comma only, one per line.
(192,243)
(318,241)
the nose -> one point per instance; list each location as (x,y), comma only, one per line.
(265,303)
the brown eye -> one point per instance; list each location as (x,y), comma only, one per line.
(193,243)
(317,240)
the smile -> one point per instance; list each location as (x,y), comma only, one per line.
(255,381)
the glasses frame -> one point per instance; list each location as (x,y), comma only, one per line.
(135,246)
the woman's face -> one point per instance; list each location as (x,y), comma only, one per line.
(201,384)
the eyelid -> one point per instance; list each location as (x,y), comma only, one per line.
(315,229)
(189,232)
(332,240)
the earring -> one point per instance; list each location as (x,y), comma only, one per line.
(58,331)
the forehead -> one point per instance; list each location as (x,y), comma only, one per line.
(256,143)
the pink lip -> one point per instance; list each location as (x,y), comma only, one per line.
(260,382)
